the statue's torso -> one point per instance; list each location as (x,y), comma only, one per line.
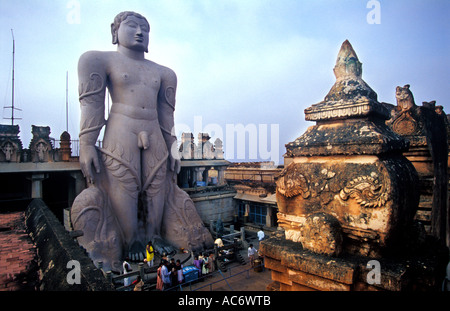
(134,83)
(134,87)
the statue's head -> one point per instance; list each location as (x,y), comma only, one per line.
(131,30)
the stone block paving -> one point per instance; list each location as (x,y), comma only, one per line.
(18,255)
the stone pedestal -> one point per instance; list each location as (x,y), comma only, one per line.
(347,196)
(296,269)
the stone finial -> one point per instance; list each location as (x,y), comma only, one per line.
(349,99)
(65,146)
(347,63)
(350,96)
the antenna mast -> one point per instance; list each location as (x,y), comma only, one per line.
(67,103)
(12,96)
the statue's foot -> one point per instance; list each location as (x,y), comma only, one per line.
(136,252)
(162,246)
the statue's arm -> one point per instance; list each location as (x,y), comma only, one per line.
(166,109)
(92,85)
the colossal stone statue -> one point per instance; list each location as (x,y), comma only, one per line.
(132,196)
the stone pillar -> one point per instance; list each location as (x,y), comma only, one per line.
(347,195)
(205,175)
(193,176)
(184,177)
(221,175)
(79,185)
(269,216)
(36,185)
(199,171)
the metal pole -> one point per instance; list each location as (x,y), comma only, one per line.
(67,103)
(12,99)
(225,279)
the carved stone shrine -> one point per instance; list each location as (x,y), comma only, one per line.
(425,127)
(347,196)
(10,143)
(41,147)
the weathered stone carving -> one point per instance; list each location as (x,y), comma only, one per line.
(349,168)
(366,190)
(132,196)
(10,143)
(291,182)
(322,234)
(350,96)
(404,119)
(218,149)
(41,146)
(359,191)
(426,128)
(187,147)
(347,195)
(204,150)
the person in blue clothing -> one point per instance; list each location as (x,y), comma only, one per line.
(165,274)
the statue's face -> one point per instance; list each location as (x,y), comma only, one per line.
(133,33)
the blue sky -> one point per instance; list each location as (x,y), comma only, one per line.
(248,62)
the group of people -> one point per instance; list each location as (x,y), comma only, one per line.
(137,284)
(205,263)
(169,274)
(149,259)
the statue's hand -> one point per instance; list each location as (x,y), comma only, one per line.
(88,159)
(175,163)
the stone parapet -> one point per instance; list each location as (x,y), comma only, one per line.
(296,269)
(56,249)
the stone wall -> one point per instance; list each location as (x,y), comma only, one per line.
(212,206)
(55,249)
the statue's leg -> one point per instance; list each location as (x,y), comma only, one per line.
(124,205)
(121,160)
(154,173)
